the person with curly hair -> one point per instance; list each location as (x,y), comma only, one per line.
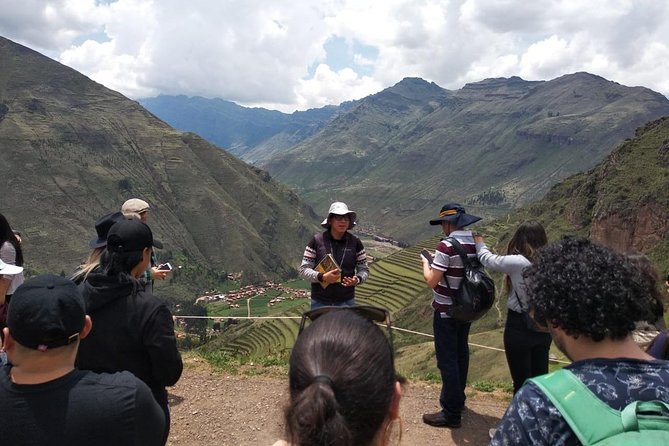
(590,298)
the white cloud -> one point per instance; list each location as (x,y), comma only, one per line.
(258,52)
(329,87)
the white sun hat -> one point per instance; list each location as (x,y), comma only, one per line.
(339,208)
(8,269)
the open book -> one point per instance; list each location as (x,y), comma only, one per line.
(327,264)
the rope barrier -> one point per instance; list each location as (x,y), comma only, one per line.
(405,330)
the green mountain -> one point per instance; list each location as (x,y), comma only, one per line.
(622,202)
(399,155)
(72,150)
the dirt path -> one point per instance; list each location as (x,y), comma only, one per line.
(211,408)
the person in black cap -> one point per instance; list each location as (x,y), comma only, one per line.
(98,246)
(134,330)
(44,399)
(444,276)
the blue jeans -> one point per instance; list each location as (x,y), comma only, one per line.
(316,304)
(452,350)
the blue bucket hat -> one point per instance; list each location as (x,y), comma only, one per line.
(456,214)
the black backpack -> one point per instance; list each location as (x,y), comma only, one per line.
(477,290)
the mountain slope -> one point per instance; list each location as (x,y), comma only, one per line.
(398,155)
(72,150)
(623,202)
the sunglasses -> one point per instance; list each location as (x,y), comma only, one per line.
(337,217)
(377,315)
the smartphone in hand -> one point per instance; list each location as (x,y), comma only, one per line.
(425,253)
(165,266)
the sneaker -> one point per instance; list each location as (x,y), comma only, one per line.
(491,432)
(438,419)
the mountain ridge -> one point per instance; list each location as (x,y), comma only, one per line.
(493,145)
(509,139)
(73,150)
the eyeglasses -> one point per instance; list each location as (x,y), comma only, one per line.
(377,315)
(337,217)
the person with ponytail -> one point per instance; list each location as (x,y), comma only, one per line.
(343,385)
(133,329)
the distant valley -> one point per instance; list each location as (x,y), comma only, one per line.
(72,150)
(398,155)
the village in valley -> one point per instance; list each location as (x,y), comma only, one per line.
(249,291)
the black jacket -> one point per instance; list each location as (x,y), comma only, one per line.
(132,330)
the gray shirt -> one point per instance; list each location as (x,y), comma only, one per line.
(512,265)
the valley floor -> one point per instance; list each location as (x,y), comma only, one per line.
(214,408)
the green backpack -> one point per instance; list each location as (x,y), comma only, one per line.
(596,423)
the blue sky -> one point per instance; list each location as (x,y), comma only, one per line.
(298,54)
(341,54)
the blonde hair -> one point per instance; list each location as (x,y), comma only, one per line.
(92,262)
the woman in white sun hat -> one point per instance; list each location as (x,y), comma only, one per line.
(334,284)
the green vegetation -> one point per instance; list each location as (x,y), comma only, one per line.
(586,204)
(395,157)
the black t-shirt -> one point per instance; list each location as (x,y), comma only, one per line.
(80,408)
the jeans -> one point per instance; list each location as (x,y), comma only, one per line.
(526,350)
(452,351)
(316,304)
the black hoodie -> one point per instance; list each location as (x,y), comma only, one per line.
(132,330)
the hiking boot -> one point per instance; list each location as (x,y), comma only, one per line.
(438,419)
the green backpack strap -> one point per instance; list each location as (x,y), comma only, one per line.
(654,415)
(591,419)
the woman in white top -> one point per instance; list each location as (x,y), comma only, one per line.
(526,349)
(10,254)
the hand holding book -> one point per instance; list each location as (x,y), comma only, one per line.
(329,270)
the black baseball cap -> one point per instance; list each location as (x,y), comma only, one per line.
(46,312)
(129,236)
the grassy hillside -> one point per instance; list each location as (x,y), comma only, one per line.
(622,202)
(72,150)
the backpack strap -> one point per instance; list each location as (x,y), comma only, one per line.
(590,418)
(460,250)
